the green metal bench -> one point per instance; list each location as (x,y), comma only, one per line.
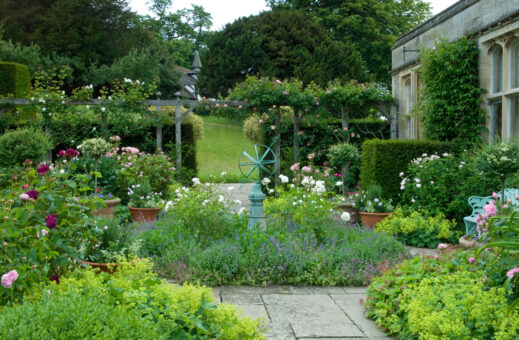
(478,202)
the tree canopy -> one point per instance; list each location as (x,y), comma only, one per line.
(282,43)
(371,26)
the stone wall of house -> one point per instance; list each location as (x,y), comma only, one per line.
(492,23)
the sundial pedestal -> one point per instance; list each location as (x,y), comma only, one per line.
(257,212)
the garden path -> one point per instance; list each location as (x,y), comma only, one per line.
(306,313)
(237,191)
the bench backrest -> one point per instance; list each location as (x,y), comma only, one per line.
(511,194)
(477,203)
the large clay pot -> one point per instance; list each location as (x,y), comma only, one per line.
(101,267)
(350,209)
(109,210)
(371,219)
(142,215)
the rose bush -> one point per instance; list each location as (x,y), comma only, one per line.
(45,217)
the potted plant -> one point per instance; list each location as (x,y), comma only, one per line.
(373,208)
(144,204)
(110,204)
(111,240)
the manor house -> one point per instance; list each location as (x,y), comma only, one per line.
(494,25)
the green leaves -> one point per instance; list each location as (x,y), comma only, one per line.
(452,93)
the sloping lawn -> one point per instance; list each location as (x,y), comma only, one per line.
(219,149)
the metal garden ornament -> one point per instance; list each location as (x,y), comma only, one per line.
(256,162)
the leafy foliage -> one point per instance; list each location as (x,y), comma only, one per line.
(21,144)
(452,94)
(418,230)
(133,303)
(370,27)
(442,184)
(383,160)
(281,43)
(14,80)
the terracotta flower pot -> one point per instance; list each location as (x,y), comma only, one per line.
(350,209)
(101,267)
(141,215)
(109,210)
(371,219)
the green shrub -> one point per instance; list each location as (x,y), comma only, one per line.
(76,316)
(21,144)
(445,297)
(14,80)
(134,301)
(252,129)
(383,160)
(460,306)
(198,125)
(418,230)
(443,184)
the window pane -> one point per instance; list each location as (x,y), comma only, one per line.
(497,69)
(498,121)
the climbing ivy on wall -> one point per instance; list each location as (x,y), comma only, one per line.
(451,102)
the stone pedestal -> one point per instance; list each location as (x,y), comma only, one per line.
(257,212)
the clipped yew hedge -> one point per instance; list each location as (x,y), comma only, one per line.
(15,80)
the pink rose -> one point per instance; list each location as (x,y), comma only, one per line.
(490,209)
(436,257)
(9,278)
(307,169)
(510,273)
(261,121)
(494,194)
(472,259)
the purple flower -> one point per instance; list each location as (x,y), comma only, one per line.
(51,221)
(55,278)
(42,169)
(33,194)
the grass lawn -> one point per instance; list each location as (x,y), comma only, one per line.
(219,149)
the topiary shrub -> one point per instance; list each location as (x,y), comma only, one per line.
(252,129)
(21,144)
(384,160)
(15,80)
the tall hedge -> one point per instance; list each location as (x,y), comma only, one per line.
(14,79)
(383,160)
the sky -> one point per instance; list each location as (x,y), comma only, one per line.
(226,11)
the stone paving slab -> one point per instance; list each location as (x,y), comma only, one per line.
(293,313)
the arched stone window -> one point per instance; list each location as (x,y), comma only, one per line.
(497,69)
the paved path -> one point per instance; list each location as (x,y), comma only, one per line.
(307,313)
(237,191)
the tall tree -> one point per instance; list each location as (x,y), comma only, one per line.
(281,43)
(97,31)
(372,26)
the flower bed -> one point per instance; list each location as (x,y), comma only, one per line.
(200,239)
